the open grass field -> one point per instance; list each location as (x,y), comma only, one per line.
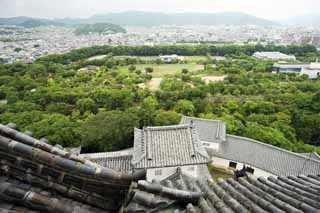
(195,58)
(146,58)
(98,57)
(166,69)
(190,59)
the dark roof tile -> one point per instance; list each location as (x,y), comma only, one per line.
(167,146)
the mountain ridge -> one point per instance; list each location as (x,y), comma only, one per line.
(140,18)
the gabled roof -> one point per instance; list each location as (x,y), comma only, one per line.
(120,160)
(269,158)
(182,193)
(29,166)
(208,130)
(167,146)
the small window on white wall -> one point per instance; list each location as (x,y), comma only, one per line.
(232,164)
(158,172)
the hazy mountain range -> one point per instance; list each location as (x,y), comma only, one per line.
(146,19)
(135,18)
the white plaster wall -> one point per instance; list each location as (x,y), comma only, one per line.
(191,170)
(313,74)
(220,162)
(225,163)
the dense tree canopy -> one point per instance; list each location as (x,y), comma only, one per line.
(99,109)
(112,130)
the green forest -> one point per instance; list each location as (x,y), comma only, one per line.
(56,98)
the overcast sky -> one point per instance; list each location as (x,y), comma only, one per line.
(270,9)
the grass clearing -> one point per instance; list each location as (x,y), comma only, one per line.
(208,78)
(190,59)
(166,69)
(195,58)
(153,84)
(97,57)
(146,58)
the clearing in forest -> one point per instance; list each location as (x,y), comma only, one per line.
(153,84)
(207,78)
(168,69)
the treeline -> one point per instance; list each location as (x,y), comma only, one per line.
(84,53)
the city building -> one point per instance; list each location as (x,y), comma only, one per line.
(287,67)
(312,39)
(169,58)
(273,56)
(312,70)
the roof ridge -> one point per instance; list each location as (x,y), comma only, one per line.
(197,143)
(157,128)
(202,119)
(120,153)
(273,147)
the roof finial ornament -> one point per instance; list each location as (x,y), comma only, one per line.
(179,170)
(191,123)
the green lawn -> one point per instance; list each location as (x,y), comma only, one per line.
(166,69)
(195,58)
(190,59)
(140,57)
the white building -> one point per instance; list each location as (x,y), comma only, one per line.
(313,71)
(287,67)
(195,142)
(162,150)
(273,56)
(211,132)
(169,58)
(263,160)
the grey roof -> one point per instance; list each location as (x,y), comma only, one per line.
(269,158)
(37,176)
(167,146)
(312,155)
(120,160)
(208,130)
(55,201)
(182,193)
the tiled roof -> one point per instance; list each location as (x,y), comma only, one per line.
(181,193)
(120,160)
(54,201)
(312,155)
(167,146)
(269,158)
(208,130)
(37,176)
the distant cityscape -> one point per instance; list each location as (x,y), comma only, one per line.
(28,44)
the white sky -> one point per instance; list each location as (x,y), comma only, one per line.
(270,9)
